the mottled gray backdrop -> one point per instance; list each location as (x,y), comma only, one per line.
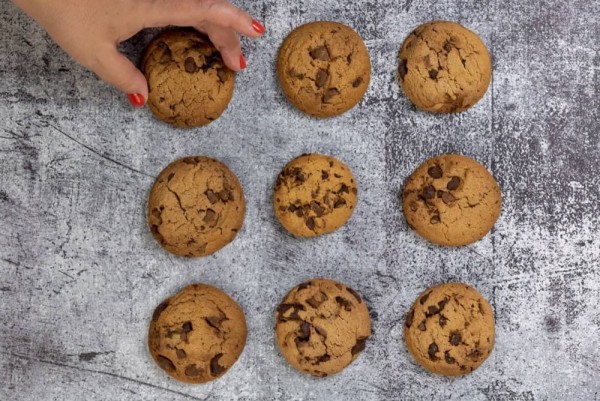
(80,273)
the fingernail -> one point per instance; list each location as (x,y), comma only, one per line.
(257,26)
(136,99)
(242,62)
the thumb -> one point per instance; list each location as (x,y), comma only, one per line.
(116,69)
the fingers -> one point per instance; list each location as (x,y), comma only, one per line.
(228,44)
(116,69)
(199,13)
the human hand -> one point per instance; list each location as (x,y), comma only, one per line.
(91,30)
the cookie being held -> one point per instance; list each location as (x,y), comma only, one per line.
(196,206)
(189,84)
(314,194)
(451,200)
(198,334)
(324,68)
(322,326)
(444,67)
(450,329)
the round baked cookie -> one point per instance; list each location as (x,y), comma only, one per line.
(314,194)
(324,68)
(189,85)
(197,334)
(450,329)
(451,200)
(196,206)
(322,326)
(444,67)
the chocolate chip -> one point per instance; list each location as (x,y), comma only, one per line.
(299,212)
(343,302)
(310,223)
(432,310)
(432,350)
(433,74)
(159,309)
(304,332)
(321,78)
(209,216)
(295,74)
(475,354)
(337,175)
(435,219)
(422,326)
(332,92)
(215,321)
(321,331)
(222,74)
(414,206)
(180,353)
(212,197)
(225,195)
(453,183)
(435,171)
(192,371)
(343,189)
(355,294)
(323,358)
(359,346)
(455,338)
(190,65)
(324,174)
(339,203)
(304,285)
(424,298)
(429,192)
(449,360)
(409,318)
(403,68)
(443,321)
(356,83)
(187,327)
(215,368)
(448,198)
(442,304)
(317,208)
(448,47)
(313,302)
(165,363)
(320,53)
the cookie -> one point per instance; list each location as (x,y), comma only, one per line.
(197,334)
(314,194)
(196,206)
(189,85)
(451,200)
(322,326)
(324,68)
(450,329)
(444,67)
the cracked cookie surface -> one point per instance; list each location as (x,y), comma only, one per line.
(196,206)
(314,194)
(324,68)
(444,67)
(450,329)
(322,326)
(451,200)
(189,85)
(197,334)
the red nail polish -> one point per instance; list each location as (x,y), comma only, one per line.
(136,99)
(242,62)
(258,27)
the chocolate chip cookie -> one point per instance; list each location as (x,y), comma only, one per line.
(450,329)
(198,334)
(451,200)
(314,194)
(322,326)
(196,206)
(189,85)
(444,67)
(324,68)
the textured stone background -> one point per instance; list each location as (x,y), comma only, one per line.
(80,274)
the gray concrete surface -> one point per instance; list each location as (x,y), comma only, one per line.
(80,274)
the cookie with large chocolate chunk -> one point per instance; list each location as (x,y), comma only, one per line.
(451,200)
(197,334)
(322,326)
(444,67)
(314,194)
(196,206)
(189,85)
(324,68)
(450,329)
